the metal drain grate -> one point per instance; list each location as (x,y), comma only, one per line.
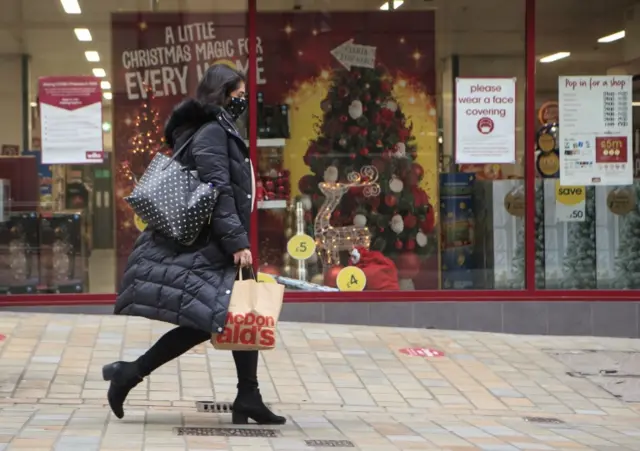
(226,432)
(330,443)
(214,407)
(543,420)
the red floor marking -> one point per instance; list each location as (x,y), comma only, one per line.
(422,352)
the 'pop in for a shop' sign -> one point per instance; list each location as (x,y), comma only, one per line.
(485,120)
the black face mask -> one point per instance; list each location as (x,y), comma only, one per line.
(237,106)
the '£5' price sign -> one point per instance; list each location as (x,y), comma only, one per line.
(301,247)
(570,203)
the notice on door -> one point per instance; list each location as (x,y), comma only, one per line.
(71,120)
(596,130)
(485,120)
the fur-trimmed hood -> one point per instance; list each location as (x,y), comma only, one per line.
(189,115)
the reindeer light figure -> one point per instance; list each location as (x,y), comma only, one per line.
(330,241)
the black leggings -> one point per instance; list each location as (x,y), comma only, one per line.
(179,340)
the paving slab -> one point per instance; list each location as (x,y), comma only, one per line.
(341,387)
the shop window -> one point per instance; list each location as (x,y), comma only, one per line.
(358,140)
(587,184)
(67,228)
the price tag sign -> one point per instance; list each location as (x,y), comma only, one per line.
(263,277)
(301,247)
(139,223)
(570,203)
(351,278)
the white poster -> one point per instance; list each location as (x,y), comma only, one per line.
(596,130)
(71,116)
(485,120)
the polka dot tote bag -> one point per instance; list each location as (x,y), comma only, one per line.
(172,200)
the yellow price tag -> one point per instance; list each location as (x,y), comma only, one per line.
(351,278)
(263,277)
(139,223)
(301,247)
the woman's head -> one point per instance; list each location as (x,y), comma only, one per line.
(223,86)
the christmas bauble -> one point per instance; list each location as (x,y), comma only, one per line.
(359,220)
(307,184)
(331,174)
(396,185)
(421,239)
(288,233)
(417,170)
(428,224)
(364,151)
(408,264)
(410,244)
(397,225)
(306,203)
(390,200)
(355,109)
(331,275)
(398,245)
(391,105)
(410,221)
(343,118)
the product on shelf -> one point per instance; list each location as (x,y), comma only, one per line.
(19,253)
(273,120)
(62,256)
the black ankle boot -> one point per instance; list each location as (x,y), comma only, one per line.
(250,405)
(123,377)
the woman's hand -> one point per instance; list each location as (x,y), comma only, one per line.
(243,258)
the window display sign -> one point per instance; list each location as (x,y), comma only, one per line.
(485,120)
(570,203)
(596,130)
(71,119)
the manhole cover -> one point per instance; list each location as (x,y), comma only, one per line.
(543,420)
(330,443)
(227,432)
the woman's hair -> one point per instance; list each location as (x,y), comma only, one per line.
(217,84)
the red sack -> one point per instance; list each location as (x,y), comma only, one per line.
(380,271)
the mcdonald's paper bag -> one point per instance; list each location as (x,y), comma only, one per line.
(252,317)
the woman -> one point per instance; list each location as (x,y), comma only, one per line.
(191,286)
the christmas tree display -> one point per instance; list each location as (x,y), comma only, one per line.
(627,260)
(145,142)
(363,126)
(579,263)
(518,281)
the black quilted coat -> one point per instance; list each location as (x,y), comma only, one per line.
(191,286)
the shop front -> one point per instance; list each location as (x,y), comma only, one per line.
(442,164)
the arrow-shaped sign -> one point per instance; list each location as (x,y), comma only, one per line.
(355,55)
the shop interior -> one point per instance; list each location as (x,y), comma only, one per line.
(66,213)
